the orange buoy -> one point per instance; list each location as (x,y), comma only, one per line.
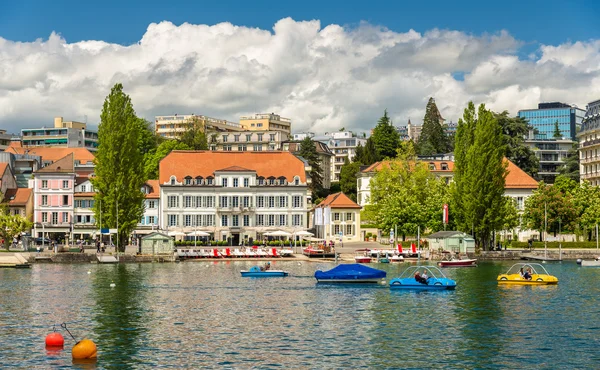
(84,349)
(55,339)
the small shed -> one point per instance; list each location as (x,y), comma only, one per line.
(454,241)
(157,243)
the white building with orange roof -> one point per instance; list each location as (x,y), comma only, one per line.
(233,196)
(337,217)
(149,221)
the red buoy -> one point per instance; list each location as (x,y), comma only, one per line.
(55,339)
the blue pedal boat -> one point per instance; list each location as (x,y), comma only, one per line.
(255,271)
(411,279)
(350,273)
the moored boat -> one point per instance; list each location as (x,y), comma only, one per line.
(413,279)
(362,256)
(451,261)
(256,271)
(527,274)
(350,273)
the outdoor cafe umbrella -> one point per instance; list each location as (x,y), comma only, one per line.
(198,233)
(301,233)
(176,233)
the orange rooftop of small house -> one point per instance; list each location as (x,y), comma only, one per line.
(183,163)
(338,200)
(517,178)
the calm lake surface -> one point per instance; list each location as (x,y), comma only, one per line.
(203,314)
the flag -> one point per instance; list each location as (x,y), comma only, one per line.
(445,214)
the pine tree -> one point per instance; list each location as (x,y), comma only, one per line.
(348,178)
(433,140)
(385,138)
(557,134)
(370,155)
(308,151)
(480,172)
(119,171)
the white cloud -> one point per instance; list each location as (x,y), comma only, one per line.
(321,78)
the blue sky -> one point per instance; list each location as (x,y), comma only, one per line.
(125,21)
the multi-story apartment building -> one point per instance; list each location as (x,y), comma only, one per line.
(84,221)
(589,143)
(171,127)
(325,157)
(266,122)
(246,141)
(20,202)
(5,139)
(544,119)
(149,221)
(65,134)
(343,145)
(551,153)
(53,198)
(234,196)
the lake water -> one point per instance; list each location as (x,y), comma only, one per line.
(203,314)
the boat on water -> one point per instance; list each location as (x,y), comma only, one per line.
(456,261)
(396,258)
(527,274)
(413,279)
(362,256)
(589,263)
(350,273)
(256,271)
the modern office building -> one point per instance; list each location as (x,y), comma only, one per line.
(544,119)
(589,144)
(266,122)
(171,127)
(343,145)
(64,134)
(551,153)
(233,196)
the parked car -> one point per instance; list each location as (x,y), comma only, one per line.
(38,241)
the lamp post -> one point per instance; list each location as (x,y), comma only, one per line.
(43,231)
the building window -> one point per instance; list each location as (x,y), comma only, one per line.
(173,201)
(246,220)
(227,148)
(296,180)
(173,220)
(282,201)
(246,182)
(187,220)
(246,201)
(336,229)
(520,203)
(225,138)
(271,219)
(260,137)
(257,147)
(188,180)
(224,220)
(224,182)
(260,201)
(44,184)
(349,230)
(336,216)
(272,137)
(213,148)
(209,181)
(223,201)
(187,201)
(282,220)
(54,218)
(44,200)
(260,220)
(349,216)
(209,220)
(296,220)
(65,217)
(248,137)
(65,184)
(297,201)
(242,148)
(83,188)
(151,204)
(236,138)
(173,180)
(235,220)
(271,201)
(44,216)
(151,220)
(236,182)
(65,200)
(235,201)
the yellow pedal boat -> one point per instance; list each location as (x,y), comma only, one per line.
(527,274)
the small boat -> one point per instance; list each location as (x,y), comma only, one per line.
(350,273)
(362,256)
(411,279)
(286,252)
(450,261)
(592,263)
(396,258)
(256,271)
(539,275)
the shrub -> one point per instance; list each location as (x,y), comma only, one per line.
(540,245)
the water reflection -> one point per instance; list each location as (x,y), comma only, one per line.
(119,314)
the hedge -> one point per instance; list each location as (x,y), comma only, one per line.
(540,245)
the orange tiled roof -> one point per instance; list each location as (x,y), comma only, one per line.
(86,194)
(436,163)
(517,178)
(18,197)
(154,189)
(83,155)
(182,163)
(63,165)
(3,167)
(338,200)
(15,144)
(235,169)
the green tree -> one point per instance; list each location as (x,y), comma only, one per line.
(549,206)
(511,214)
(514,130)
(406,195)
(366,155)
(348,178)
(148,141)
(12,225)
(308,151)
(194,135)
(385,138)
(433,140)
(151,161)
(557,134)
(586,198)
(570,167)
(119,163)
(479,174)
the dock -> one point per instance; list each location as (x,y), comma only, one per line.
(15,260)
(107,259)
(532,257)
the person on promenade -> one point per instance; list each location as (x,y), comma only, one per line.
(97,246)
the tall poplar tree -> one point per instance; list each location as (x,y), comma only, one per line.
(385,138)
(480,172)
(433,140)
(308,151)
(119,171)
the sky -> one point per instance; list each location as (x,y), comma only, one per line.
(324,64)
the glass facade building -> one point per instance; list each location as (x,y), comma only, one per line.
(544,118)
